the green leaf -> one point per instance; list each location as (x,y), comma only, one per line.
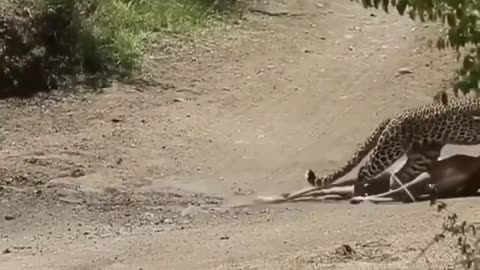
(412,14)
(453,37)
(385,5)
(367,3)
(452,22)
(441,43)
(402,6)
(459,13)
(421,14)
(468,62)
(460,19)
(432,16)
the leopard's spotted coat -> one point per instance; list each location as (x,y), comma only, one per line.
(410,133)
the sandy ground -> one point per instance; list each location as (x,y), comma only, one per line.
(145,177)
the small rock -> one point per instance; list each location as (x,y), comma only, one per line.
(168,221)
(8,217)
(116,120)
(345,250)
(240,192)
(355,28)
(149,215)
(78,172)
(190,211)
(6,251)
(403,71)
(65,192)
(225,237)
(69,196)
(179,100)
(119,161)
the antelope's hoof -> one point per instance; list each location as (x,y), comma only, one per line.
(311,177)
(357,200)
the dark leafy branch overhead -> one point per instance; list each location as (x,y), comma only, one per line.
(461,20)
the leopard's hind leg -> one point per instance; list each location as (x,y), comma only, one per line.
(390,147)
(420,158)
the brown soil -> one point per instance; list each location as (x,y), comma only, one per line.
(144,177)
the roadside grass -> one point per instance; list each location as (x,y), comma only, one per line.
(99,39)
(123,28)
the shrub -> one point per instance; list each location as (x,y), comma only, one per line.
(35,49)
(46,44)
(461,19)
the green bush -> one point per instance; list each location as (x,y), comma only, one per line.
(118,30)
(463,32)
(48,41)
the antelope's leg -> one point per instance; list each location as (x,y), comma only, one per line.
(305,191)
(420,158)
(284,197)
(300,194)
(349,182)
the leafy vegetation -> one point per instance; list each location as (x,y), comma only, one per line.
(47,43)
(462,34)
(463,235)
(461,18)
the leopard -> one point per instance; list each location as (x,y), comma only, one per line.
(452,177)
(429,126)
(441,98)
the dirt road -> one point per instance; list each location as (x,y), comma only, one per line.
(142,178)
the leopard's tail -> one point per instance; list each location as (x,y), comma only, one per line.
(361,152)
